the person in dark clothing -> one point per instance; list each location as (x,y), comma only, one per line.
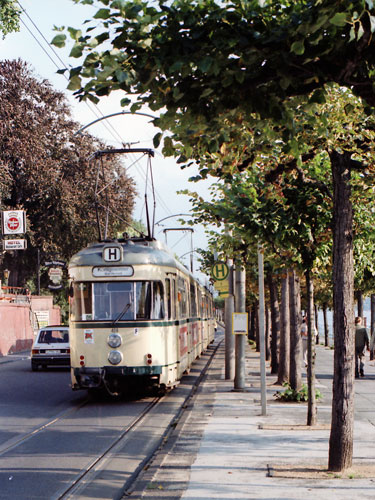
(362,341)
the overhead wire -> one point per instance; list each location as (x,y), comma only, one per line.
(108,126)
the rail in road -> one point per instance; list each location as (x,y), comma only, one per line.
(78,446)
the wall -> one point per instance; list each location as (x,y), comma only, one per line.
(18,322)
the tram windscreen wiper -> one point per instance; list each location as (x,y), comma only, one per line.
(124,311)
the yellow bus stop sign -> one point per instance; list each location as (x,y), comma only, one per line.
(219,271)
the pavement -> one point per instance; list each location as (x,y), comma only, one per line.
(224,448)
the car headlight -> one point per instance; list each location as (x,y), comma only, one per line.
(114,340)
(115,357)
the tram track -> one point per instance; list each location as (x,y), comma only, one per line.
(79,483)
(129,485)
(122,453)
(97,461)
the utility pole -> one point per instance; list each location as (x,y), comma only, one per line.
(229,337)
(262,340)
(240,341)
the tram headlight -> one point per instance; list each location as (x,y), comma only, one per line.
(114,340)
(115,357)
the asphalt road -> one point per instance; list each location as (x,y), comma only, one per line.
(50,435)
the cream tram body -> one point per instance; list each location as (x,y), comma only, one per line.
(137,316)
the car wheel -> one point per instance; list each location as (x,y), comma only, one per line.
(34,367)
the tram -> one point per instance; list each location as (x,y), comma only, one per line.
(137,316)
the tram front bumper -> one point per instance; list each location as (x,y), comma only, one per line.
(89,378)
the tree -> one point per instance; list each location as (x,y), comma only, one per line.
(209,63)
(9,16)
(46,172)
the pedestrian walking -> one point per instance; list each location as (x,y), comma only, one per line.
(362,342)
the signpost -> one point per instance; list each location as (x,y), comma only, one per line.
(14,244)
(220,271)
(55,273)
(240,323)
(14,222)
(222,287)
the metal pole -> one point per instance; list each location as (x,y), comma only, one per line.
(262,341)
(229,337)
(240,341)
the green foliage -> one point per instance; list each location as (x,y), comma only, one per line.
(205,62)
(45,171)
(9,16)
(300,396)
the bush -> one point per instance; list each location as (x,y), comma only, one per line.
(292,395)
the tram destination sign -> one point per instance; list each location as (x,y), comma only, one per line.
(14,244)
(109,271)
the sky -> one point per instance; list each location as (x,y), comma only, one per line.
(31,44)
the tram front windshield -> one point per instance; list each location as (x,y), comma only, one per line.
(117,301)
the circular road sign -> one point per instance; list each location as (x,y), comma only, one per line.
(220,271)
(13,223)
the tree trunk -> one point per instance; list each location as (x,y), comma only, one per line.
(256,324)
(316,323)
(326,329)
(283,372)
(372,323)
(341,437)
(295,375)
(268,332)
(359,297)
(275,323)
(253,323)
(311,403)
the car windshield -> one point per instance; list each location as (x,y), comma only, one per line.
(53,337)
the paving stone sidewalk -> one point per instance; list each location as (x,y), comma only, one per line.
(223,448)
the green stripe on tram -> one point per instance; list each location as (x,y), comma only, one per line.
(135,323)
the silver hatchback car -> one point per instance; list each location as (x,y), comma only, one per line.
(51,347)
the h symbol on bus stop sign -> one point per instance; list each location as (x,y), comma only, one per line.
(220,271)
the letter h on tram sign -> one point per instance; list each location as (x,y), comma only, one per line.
(112,254)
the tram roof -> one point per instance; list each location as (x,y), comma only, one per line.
(136,251)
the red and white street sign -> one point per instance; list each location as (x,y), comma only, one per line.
(14,222)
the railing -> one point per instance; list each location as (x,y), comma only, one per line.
(15,294)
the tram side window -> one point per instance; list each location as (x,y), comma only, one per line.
(168,293)
(182,298)
(199,299)
(193,301)
(205,307)
(157,300)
